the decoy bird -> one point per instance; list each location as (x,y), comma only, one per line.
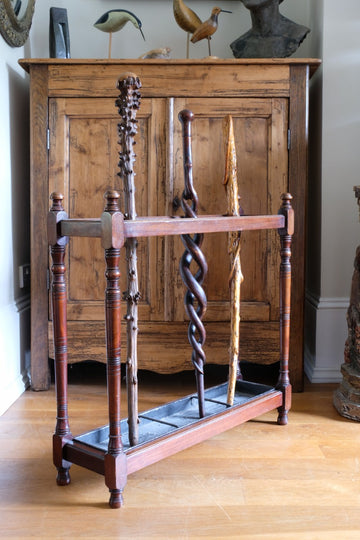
(115,20)
(209,27)
(187,19)
(163,52)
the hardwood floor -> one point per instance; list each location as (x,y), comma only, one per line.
(260,480)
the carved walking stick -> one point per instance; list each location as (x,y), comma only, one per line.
(195,293)
(236,277)
(128,103)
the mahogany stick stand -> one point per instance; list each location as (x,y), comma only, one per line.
(173,426)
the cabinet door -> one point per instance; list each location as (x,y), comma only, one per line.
(83,164)
(260,127)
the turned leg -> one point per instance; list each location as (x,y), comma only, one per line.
(115,459)
(285,294)
(58,293)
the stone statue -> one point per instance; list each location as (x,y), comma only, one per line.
(347,396)
(272,35)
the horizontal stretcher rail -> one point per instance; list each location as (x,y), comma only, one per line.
(166,226)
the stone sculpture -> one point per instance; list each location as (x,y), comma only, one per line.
(347,396)
(272,35)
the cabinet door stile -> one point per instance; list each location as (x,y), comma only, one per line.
(154,180)
(174,289)
(170,203)
(278,184)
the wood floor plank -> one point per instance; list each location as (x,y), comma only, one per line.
(256,481)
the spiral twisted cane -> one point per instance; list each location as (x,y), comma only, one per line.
(195,298)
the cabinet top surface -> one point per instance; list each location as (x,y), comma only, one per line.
(312,62)
(168,78)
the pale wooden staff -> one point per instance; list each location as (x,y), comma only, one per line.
(235,277)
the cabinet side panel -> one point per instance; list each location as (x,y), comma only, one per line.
(39,205)
(298,171)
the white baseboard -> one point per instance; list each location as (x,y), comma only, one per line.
(325,335)
(11,392)
(317,374)
(15,351)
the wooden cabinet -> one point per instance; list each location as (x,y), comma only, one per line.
(74,150)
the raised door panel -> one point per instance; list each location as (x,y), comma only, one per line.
(260,127)
(83,163)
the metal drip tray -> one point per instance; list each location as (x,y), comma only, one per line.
(176,415)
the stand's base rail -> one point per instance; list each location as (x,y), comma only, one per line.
(175,426)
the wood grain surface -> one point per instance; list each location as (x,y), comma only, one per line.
(256,481)
(74,100)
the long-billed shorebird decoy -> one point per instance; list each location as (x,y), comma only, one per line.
(187,19)
(209,27)
(114,20)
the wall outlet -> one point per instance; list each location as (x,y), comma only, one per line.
(24,276)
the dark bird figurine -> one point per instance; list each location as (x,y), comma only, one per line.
(114,20)
(209,27)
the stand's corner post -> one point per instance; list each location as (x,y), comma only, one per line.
(115,459)
(195,298)
(58,294)
(285,296)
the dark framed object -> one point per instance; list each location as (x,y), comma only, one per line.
(15,20)
(59,38)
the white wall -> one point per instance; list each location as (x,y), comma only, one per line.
(334,233)
(14,231)
(159,27)
(341,137)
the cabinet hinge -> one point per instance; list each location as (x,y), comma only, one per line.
(289,139)
(48,139)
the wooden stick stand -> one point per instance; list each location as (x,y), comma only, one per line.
(175,426)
